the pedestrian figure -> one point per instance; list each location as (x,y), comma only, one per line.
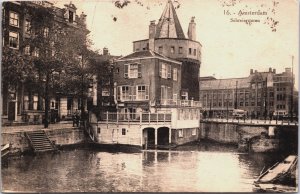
(74,119)
(77,118)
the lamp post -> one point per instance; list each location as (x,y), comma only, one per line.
(235,102)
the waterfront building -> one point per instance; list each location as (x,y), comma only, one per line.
(261,94)
(156,89)
(167,38)
(21,100)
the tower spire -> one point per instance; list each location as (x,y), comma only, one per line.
(168,25)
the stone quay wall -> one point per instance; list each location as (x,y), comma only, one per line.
(62,137)
(231,132)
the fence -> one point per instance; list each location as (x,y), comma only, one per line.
(251,121)
(182,103)
(135,117)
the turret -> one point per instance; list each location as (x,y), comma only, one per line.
(192,29)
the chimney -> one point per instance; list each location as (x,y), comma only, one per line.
(255,71)
(152,31)
(274,71)
(270,70)
(105,51)
(288,70)
(251,71)
(192,29)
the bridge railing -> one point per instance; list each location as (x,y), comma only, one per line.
(250,121)
(135,117)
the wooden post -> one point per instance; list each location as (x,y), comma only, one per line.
(170,131)
(156,118)
(117,118)
(149,117)
(155,137)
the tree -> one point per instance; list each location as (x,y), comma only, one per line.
(58,49)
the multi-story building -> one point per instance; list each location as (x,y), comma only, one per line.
(261,94)
(156,89)
(22,98)
(167,38)
(146,81)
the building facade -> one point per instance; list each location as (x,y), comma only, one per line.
(261,94)
(156,89)
(167,38)
(22,102)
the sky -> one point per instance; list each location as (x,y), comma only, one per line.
(229,49)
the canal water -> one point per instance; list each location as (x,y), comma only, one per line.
(204,167)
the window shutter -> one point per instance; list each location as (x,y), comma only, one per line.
(147,93)
(139,70)
(169,71)
(160,69)
(126,70)
(119,93)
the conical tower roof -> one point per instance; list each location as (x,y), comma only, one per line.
(169,25)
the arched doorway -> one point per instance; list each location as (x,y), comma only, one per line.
(148,137)
(163,136)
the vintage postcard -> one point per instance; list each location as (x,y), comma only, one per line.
(149,96)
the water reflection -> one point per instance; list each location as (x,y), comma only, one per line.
(190,170)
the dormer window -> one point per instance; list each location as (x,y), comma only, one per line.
(71,16)
(46,32)
(27,27)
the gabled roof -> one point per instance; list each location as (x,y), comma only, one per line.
(169,25)
(146,54)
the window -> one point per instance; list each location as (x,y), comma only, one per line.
(165,71)
(175,74)
(190,51)
(180,132)
(241,103)
(13,19)
(13,40)
(98,130)
(133,70)
(36,52)
(184,95)
(27,50)
(123,131)
(160,50)
(175,98)
(180,50)
(27,27)
(195,52)
(71,16)
(46,32)
(194,131)
(169,71)
(172,49)
(125,93)
(142,92)
(246,104)
(117,71)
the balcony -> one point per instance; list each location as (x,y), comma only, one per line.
(180,103)
(135,117)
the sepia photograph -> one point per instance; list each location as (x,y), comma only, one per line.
(149,96)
